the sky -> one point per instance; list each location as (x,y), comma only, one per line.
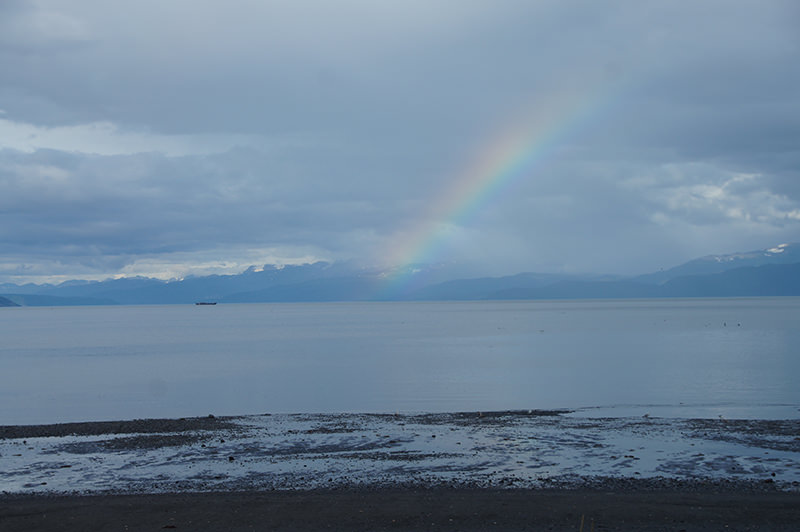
(193,137)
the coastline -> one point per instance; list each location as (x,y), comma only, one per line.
(523,470)
(530,449)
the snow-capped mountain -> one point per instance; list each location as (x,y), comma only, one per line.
(769,272)
(780,254)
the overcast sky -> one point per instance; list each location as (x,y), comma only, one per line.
(189,136)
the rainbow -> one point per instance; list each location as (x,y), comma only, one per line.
(513,156)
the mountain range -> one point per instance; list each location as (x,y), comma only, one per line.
(768,272)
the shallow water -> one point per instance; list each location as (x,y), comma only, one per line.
(681,358)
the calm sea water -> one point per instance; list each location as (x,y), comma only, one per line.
(731,357)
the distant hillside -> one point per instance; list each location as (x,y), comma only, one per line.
(7,302)
(767,280)
(142,290)
(32,300)
(659,284)
(782,254)
(769,272)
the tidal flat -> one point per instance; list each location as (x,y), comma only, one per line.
(505,470)
(520,449)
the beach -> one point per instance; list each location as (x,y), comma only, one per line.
(524,470)
(409,509)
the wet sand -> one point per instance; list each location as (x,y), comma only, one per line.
(420,509)
(521,470)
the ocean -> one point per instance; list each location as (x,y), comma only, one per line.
(730,358)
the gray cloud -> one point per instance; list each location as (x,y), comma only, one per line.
(196,137)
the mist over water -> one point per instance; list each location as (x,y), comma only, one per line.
(730,357)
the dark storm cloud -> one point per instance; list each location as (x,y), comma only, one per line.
(103,210)
(121,127)
(148,202)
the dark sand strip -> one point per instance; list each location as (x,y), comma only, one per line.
(400,509)
(96,428)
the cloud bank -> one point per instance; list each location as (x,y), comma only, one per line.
(194,137)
